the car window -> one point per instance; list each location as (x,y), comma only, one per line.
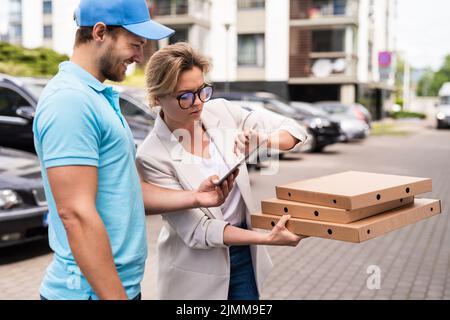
(445,100)
(133,113)
(10,101)
(36,89)
(279,107)
(334,109)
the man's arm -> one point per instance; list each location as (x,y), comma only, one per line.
(74,189)
(163,200)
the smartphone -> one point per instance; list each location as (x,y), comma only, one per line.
(240,162)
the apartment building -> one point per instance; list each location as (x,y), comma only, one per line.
(302,50)
(39,23)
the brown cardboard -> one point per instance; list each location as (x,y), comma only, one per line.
(357,231)
(353,189)
(321,213)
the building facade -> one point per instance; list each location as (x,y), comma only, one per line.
(302,50)
(39,23)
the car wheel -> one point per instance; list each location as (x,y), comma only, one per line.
(318,149)
(440,125)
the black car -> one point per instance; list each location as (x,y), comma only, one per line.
(18,101)
(324,130)
(23,208)
(321,129)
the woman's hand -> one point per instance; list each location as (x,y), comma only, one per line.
(209,195)
(281,236)
(247,140)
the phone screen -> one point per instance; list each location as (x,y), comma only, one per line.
(240,162)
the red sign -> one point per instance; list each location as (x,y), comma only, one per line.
(384,59)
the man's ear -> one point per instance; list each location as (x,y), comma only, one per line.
(157,101)
(99,31)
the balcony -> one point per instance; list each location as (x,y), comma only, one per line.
(310,13)
(181,12)
(323,67)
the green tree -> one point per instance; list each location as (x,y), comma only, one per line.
(399,73)
(430,83)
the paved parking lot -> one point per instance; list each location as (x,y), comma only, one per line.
(414,261)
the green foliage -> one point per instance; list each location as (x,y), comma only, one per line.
(407,114)
(388,129)
(431,82)
(18,61)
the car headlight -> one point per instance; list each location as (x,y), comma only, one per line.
(318,123)
(9,199)
(440,116)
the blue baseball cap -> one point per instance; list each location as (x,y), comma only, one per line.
(132,15)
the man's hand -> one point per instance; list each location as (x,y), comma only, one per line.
(210,195)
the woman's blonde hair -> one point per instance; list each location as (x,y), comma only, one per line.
(166,65)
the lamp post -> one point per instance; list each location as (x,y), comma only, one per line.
(227,83)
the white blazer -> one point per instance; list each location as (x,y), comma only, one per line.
(192,260)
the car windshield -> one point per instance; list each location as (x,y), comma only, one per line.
(308,109)
(282,107)
(445,100)
(334,108)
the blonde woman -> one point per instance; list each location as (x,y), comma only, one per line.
(207,253)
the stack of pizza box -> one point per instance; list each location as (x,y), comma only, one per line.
(351,206)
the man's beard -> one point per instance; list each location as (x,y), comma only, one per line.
(110,67)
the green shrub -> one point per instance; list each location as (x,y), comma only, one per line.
(19,61)
(407,114)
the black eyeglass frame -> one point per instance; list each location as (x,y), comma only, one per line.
(196,93)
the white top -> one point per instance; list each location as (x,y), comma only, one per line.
(233,209)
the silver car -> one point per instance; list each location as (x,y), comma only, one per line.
(354,124)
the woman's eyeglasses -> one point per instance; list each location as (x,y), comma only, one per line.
(187,99)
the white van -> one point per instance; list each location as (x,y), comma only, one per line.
(443,108)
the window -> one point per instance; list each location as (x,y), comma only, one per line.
(328,40)
(135,116)
(48,32)
(321,8)
(10,101)
(169,7)
(15,10)
(15,31)
(251,50)
(180,35)
(48,7)
(251,4)
(339,7)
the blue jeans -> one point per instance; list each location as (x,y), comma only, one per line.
(242,278)
(138,297)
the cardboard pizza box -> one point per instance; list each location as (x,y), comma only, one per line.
(357,231)
(322,213)
(353,189)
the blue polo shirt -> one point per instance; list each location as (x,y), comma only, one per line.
(78,123)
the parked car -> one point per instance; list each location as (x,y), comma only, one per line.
(23,207)
(18,101)
(352,120)
(135,110)
(252,106)
(443,107)
(324,130)
(321,130)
